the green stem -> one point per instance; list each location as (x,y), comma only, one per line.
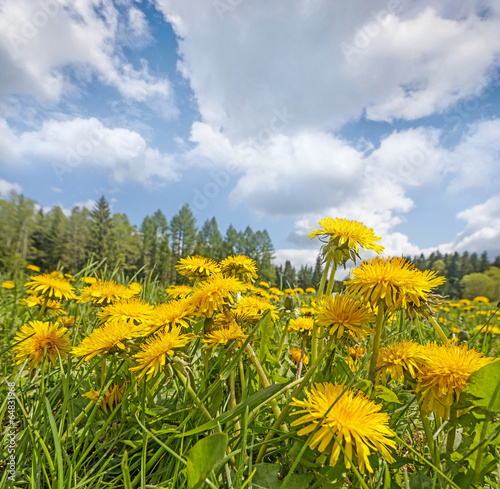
(331,280)
(450,439)
(439,331)
(430,439)
(283,336)
(321,289)
(379,324)
(295,393)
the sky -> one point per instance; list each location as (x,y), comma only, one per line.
(272,114)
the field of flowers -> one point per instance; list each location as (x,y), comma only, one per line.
(232,383)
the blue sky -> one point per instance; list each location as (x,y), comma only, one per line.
(268,114)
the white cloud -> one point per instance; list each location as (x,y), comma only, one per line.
(80,144)
(88,204)
(7,187)
(39,41)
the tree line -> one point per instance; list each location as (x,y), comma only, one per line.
(53,240)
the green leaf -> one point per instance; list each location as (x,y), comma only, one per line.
(266,477)
(203,458)
(266,334)
(484,387)
(421,481)
(386,394)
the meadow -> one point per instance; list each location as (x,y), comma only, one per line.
(231,382)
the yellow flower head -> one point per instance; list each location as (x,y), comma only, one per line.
(34,300)
(253,308)
(112,336)
(135,287)
(154,353)
(67,321)
(445,375)
(197,267)
(112,397)
(263,284)
(179,291)
(402,357)
(134,310)
(8,284)
(51,285)
(173,313)
(89,280)
(239,266)
(481,299)
(343,238)
(210,296)
(298,290)
(310,290)
(344,418)
(483,328)
(296,353)
(302,325)
(222,336)
(105,292)
(392,281)
(344,314)
(38,337)
(33,268)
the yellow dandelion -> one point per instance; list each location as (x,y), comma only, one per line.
(135,287)
(400,358)
(483,328)
(37,337)
(34,300)
(481,299)
(112,397)
(275,291)
(67,321)
(222,336)
(344,418)
(464,302)
(289,291)
(298,290)
(8,284)
(197,267)
(51,285)
(89,280)
(253,308)
(393,281)
(154,353)
(356,353)
(264,284)
(239,266)
(344,314)
(179,291)
(33,268)
(111,337)
(296,353)
(211,296)
(134,310)
(104,292)
(310,290)
(445,374)
(173,313)
(302,325)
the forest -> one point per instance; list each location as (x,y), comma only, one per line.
(53,240)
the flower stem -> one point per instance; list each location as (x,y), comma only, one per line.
(430,439)
(439,331)
(283,336)
(321,289)
(379,324)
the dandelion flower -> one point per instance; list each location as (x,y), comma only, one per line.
(222,336)
(135,287)
(310,290)
(275,291)
(481,299)
(264,284)
(214,293)
(296,353)
(483,328)
(37,337)
(394,281)
(197,267)
(302,325)
(33,268)
(344,314)
(34,300)
(112,397)
(405,356)
(51,285)
(344,418)
(239,266)
(173,313)
(112,336)
(445,374)
(105,292)
(133,310)
(179,291)
(253,308)
(8,284)
(154,353)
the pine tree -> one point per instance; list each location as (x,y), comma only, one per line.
(183,236)
(100,229)
(209,241)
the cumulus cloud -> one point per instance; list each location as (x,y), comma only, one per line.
(6,188)
(40,41)
(82,144)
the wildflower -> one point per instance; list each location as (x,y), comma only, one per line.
(394,281)
(222,336)
(483,328)
(112,336)
(464,302)
(356,353)
(302,325)
(264,285)
(179,291)
(34,300)
(343,238)
(239,266)
(342,313)
(296,353)
(33,268)
(135,287)
(154,353)
(253,308)
(127,310)
(275,291)
(214,293)
(197,267)
(344,418)
(37,337)
(105,292)
(112,397)
(289,291)
(89,280)
(310,290)
(445,374)
(402,357)
(51,286)
(481,299)
(173,313)
(8,284)
(298,290)
(67,321)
